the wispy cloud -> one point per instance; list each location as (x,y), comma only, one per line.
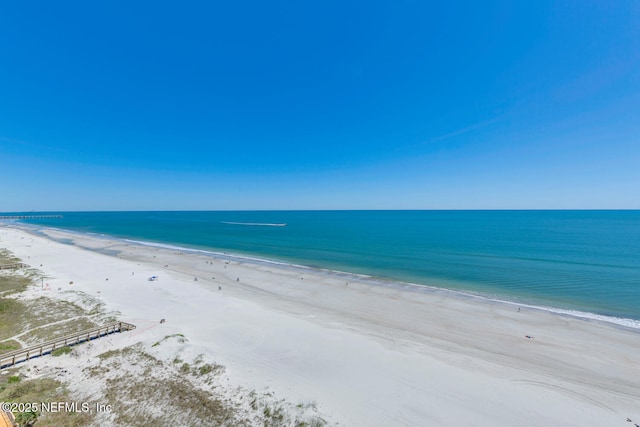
(21,142)
(467,129)
(15,141)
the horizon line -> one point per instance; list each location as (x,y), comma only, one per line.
(322,210)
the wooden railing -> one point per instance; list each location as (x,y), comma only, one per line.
(13,266)
(24,354)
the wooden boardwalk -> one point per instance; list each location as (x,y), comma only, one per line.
(6,419)
(13,266)
(24,354)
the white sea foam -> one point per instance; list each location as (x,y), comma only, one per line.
(626,322)
(629,323)
(622,321)
(226,255)
(261,224)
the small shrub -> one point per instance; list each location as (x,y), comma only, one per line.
(181,339)
(7,346)
(278,414)
(205,369)
(317,422)
(108,354)
(60,351)
(26,418)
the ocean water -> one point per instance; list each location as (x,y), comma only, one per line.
(571,260)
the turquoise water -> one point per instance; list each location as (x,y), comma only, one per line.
(576,260)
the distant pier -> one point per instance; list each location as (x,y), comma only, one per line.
(29,216)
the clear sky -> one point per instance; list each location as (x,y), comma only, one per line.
(132,105)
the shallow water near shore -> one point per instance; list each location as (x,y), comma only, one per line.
(570,260)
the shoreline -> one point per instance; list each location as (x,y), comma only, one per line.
(367,354)
(622,322)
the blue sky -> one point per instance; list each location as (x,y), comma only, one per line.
(319,105)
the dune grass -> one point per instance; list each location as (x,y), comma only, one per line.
(10,345)
(42,390)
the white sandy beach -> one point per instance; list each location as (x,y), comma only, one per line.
(368,354)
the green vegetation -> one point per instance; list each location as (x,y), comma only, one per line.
(199,369)
(14,281)
(276,414)
(177,388)
(254,400)
(11,315)
(179,399)
(11,310)
(18,316)
(314,422)
(10,345)
(41,390)
(109,353)
(42,311)
(47,333)
(26,418)
(181,339)
(60,351)
(205,369)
